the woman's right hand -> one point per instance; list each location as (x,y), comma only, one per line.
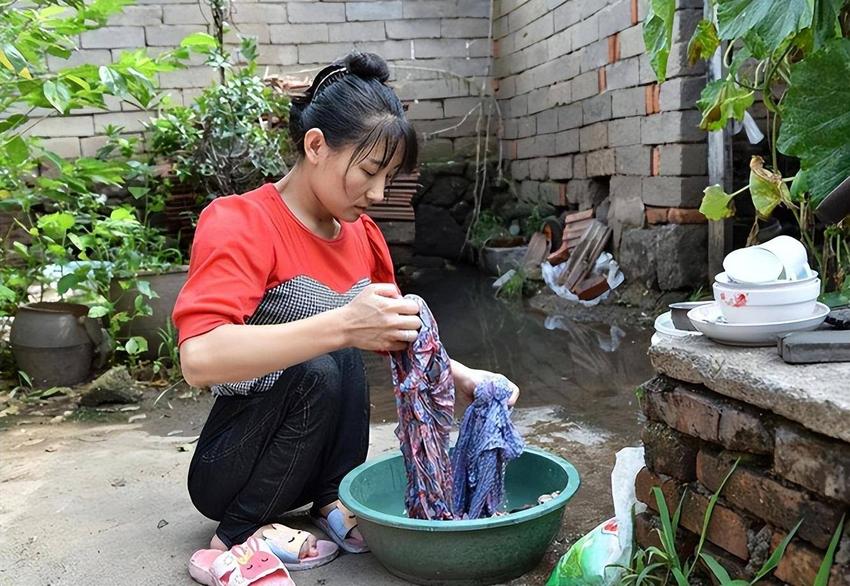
(380,319)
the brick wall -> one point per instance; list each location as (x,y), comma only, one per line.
(586,126)
(786,474)
(415,36)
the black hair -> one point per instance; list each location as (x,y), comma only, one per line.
(351,104)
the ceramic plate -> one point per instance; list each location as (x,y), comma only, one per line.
(724,279)
(710,321)
(664,325)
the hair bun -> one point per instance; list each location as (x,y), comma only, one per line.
(367,66)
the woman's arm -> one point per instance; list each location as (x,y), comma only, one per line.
(466,379)
(377,319)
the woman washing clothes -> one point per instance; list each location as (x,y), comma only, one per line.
(287,283)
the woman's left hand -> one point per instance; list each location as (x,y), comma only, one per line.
(466,379)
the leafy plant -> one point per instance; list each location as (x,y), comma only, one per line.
(513,288)
(487,227)
(795,57)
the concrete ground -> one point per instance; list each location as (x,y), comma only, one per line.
(106,503)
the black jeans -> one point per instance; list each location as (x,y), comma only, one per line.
(262,455)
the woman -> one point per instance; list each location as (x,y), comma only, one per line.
(287,284)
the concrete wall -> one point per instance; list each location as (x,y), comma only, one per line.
(302,36)
(586,126)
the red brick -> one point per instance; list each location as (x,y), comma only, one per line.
(613,48)
(817,462)
(656,97)
(656,215)
(766,498)
(646,535)
(603,82)
(685,215)
(799,565)
(578,216)
(495,48)
(635,14)
(562,194)
(644,482)
(655,162)
(647,94)
(670,452)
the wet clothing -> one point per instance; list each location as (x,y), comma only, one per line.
(487,441)
(425,398)
(264,454)
(254,262)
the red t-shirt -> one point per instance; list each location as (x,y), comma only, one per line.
(254,262)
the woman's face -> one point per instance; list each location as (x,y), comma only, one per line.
(347,189)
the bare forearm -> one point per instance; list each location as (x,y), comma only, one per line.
(232,353)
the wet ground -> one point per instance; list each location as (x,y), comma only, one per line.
(99,500)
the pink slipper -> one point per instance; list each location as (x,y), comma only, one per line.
(286,543)
(250,563)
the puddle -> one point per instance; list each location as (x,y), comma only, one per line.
(585,372)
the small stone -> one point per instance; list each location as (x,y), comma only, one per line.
(114,386)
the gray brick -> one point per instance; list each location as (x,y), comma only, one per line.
(436,149)
(426,48)
(191,14)
(259,13)
(562,68)
(130,121)
(529,190)
(624,187)
(579,166)
(373,10)
(300,12)
(567,141)
(536,31)
(677,126)
(258,31)
(56,126)
(623,132)
(631,42)
(425,110)
(600,163)
(681,93)
(500,27)
(628,102)
(428,89)
(509,128)
(561,167)
(570,116)
(614,18)
(585,85)
(82,57)
(547,121)
(525,14)
(170,35)
(633,160)
(324,53)
(519,170)
(277,54)
(464,28)
(623,73)
(446,9)
(561,43)
(647,74)
(683,159)
(684,24)
(536,54)
(357,31)
(596,109)
(137,16)
(594,136)
(541,145)
(113,37)
(550,193)
(525,82)
(538,169)
(519,105)
(501,8)
(67,147)
(566,15)
(459,106)
(594,56)
(191,77)
(299,34)
(677,192)
(677,65)
(585,32)
(539,100)
(527,126)
(562,93)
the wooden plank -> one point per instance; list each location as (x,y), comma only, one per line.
(581,261)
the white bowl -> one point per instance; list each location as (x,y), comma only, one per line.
(766,304)
(792,254)
(725,280)
(753,265)
(709,320)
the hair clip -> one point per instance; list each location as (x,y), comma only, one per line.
(327,77)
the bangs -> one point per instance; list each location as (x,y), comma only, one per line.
(391,133)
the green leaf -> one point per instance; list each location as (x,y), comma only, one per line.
(144,287)
(658,34)
(771,20)
(98,311)
(138,192)
(58,94)
(136,345)
(777,554)
(719,571)
(114,82)
(17,150)
(766,188)
(704,42)
(717,204)
(56,224)
(122,215)
(12,122)
(722,100)
(825,23)
(200,42)
(68,281)
(7,294)
(822,579)
(815,124)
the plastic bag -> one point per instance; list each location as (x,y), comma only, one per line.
(592,560)
(605,265)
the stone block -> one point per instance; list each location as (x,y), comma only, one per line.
(259,31)
(637,257)
(413,29)
(566,15)
(586,193)
(561,93)
(529,190)
(56,126)
(446,9)
(538,169)
(683,159)
(547,121)
(600,163)
(539,100)
(596,109)
(622,74)
(534,55)
(324,53)
(585,85)
(676,127)
(615,18)
(570,116)
(437,232)
(680,192)
(628,102)
(594,56)
(192,14)
(379,10)
(579,164)
(459,106)
(526,127)
(172,35)
(668,451)
(541,145)
(560,43)
(191,77)
(518,105)
(534,32)
(436,149)
(465,28)
(115,37)
(627,209)
(631,42)
(813,461)
(680,93)
(277,55)
(685,23)
(305,12)
(624,132)
(130,121)
(67,147)
(137,16)
(525,14)
(357,31)
(426,110)
(557,69)
(633,160)
(683,259)
(519,170)
(755,492)
(594,136)
(561,167)
(550,193)
(567,141)
(585,32)
(437,48)
(298,34)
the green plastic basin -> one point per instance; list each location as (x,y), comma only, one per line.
(480,551)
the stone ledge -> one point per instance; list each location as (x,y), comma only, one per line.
(817,395)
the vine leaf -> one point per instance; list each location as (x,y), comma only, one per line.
(771,20)
(703,43)
(766,188)
(721,100)
(716,203)
(658,34)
